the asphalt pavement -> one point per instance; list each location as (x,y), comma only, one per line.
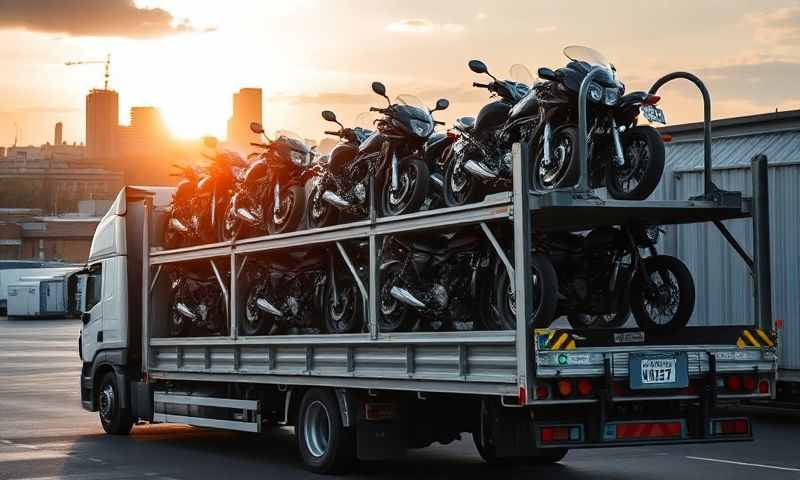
(44,434)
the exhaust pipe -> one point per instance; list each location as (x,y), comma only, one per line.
(478,170)
(267,307)
(177,225)
(335,199)
(245,215)
(185,311)
(403,295)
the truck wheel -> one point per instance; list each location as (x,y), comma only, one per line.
(487,453)
(325,446)
(115,419)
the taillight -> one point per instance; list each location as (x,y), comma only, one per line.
(733,383)
(565,388)
(733,426)
(561,434)
(652,99)
(542,392)
(666,137)
(749,383)
(452,135)
(763,387)
(584,387)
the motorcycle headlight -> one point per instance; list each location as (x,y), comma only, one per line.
(421,128)
(611,96)
(301,159)
(595,92)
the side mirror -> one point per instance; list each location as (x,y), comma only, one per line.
(477,66)
(379,88)
(441,104)
(547,74)
(210,142)
(256,127)
(329,116)
(85,317)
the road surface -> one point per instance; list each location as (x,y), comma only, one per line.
(44,433)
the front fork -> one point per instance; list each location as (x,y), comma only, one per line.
(276,198)
(619,155)
(548,133)
(395,172)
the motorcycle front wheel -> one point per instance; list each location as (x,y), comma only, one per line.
(345,315)
(663,303)
(229,226)
(290,210)
(320,213)
(460,187)
(395,316)
(412,188)
(563,169)
(255,321)
(639,175)
(179,325)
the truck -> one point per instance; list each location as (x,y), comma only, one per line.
(44,295)
(524,395)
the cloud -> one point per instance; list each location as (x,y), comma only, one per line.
(765,84)
(95,18)
(778,27)
(423,25)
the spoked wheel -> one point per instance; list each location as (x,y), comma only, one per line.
(229,226)
(664,302)
(179,324)
(325,445)
(643,165)
(344,313)
(287,217)
(412,188)
(319,212)
(563,169)
(255,321)
(395,316)
(115,419)
(501,312)
(460,187)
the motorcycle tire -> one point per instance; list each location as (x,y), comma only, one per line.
(329,215)
(413,171)
(394,316)
(638,142)
(237,229)
(291,220)
(179,326)
(580,321)
(564,150)
(254,321)
(499,309)
(348,316)
(673,278)
(470,192)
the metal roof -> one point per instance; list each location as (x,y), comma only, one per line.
(735,151)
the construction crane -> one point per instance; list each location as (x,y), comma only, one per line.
(107,63)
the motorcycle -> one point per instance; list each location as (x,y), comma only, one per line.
(197,305)
(270,196)
(603,278)
(195,213)
(285,294)
(402,175)
(342,177)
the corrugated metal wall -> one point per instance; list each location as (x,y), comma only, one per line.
(722,281)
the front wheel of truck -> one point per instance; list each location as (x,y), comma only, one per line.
(115,419)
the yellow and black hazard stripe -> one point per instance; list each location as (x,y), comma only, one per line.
(755,337)
(560,340)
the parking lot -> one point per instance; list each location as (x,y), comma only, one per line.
(44,433)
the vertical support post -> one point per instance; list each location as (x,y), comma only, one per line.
(708,184)
(374,278)
(583,141)
(761,247)
(522,265)
(146,289)
(234,299)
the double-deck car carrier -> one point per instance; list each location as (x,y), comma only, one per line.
(524,395)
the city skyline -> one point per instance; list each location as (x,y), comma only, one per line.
(186,58)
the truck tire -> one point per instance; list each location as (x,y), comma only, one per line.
(115,419)
(325,445)
(546,457)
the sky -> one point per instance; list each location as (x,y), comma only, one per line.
(188,57)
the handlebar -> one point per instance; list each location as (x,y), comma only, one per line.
(480,85)
(437,122)
(376,109)
(329,132)
(260,145)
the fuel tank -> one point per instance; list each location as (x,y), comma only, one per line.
(373,143)
(492,116)
(527,107)
(256,171)
(341,155)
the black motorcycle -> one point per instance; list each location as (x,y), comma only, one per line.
(287,293)
(341,184)
(402,175)
(270,196)
(603,277)
(195,215)
(197,305)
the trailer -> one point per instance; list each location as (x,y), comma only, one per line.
(524,395)
(12,271)
(40,296)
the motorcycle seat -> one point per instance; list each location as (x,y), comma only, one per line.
(632,98)
(431,244)
(465,123)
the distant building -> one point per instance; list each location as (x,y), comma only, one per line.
(146,134)
(246,109)
(58,137)
(102,124)
(26,234)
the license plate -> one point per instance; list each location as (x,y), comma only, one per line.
(658,370)
(654,114)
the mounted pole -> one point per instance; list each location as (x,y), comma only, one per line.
(583,141)
(709,187)
(520,152)
(761,241)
